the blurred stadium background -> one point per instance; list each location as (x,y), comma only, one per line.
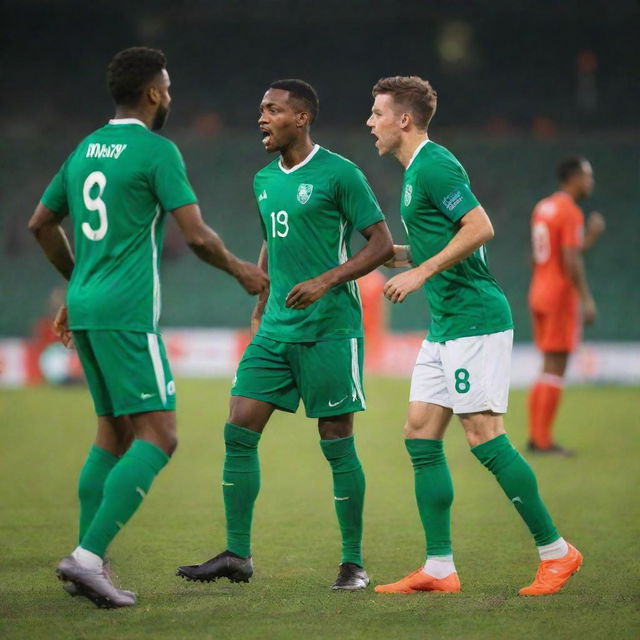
(520,85)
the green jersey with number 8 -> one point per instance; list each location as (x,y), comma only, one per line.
(308,214)
(117,185)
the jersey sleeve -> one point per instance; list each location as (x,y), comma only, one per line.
(572,230)
(447,185)
(355,199)
(257,196)
(55,195)
(169,178)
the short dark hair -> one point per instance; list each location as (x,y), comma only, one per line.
(302,91)
(412,92)
(569,167)
(131,70)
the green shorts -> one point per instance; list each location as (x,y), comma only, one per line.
(326,375)
(127,371)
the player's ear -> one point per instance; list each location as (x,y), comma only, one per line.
(405,120)
(302,119)
(153,94)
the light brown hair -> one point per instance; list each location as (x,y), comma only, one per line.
(412,92)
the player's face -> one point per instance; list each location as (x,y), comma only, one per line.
(586,181)
(162,112)
(385,123)
(278,120)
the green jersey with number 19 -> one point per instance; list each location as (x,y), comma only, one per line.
(308,214)
(465,300)
(117,185)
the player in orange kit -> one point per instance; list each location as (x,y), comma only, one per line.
(559,297)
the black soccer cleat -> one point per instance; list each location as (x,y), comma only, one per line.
(224,565)
(350,578)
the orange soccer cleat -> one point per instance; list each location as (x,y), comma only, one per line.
(420,581)
(552,575)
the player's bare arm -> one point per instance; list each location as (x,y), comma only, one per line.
(46,226)
(574,266)
(595,228)
(401,257)
(377,251)
(475,229)
(210,248)
(261,302)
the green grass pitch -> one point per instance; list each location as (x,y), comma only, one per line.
(593,498)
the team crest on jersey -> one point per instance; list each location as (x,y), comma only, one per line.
(408,192)
(304,193)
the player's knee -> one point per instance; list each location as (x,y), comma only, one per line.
(410,430)
(169,442)
(480,428)
(419,429)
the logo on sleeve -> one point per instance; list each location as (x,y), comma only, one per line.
(408,191)
(304,193)
(262,196)
(451,201)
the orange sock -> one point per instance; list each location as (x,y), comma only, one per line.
(544,399)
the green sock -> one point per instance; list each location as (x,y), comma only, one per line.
(240,485)
(96,468)
(124,490)
(348,491)
(434,493)
(518,481)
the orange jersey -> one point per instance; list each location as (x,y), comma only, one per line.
(557,222)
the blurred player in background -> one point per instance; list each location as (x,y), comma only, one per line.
(117,186)
(308,330)
(559,290)
(463,365)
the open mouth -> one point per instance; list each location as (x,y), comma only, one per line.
(266,136)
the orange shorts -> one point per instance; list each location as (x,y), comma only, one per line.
(557,331)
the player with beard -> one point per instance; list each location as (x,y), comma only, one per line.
(117,186)
(308,330)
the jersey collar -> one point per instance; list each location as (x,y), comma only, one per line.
(417,151)
(127,121)
(300,164)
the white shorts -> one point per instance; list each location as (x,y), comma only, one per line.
(468,375)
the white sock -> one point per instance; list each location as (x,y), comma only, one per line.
(439,566)
(553,551)
(87,559)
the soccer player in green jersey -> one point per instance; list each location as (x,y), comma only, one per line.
(117,186)
(308,330)
(463,365)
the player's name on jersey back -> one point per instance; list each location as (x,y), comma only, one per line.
(97,150)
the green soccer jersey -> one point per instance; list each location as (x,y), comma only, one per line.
(117,185)
(465,300)
(308,214)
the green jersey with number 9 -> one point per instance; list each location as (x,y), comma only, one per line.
(117,185)
(308,214)
(464,300)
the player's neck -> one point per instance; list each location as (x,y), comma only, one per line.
(123,113)
(571,192)
(296,153)
(409,145)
